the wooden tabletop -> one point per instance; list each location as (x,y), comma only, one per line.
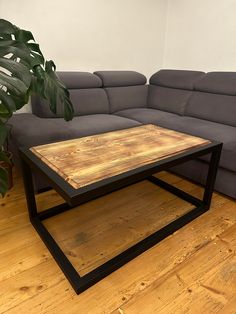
(86,160)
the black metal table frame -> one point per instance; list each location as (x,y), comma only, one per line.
(75,197)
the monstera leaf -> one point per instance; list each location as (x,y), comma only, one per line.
(24,71)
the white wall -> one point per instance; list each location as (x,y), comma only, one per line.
(201,35)
(89,35)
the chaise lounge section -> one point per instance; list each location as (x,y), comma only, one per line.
(194,102)
(199,104)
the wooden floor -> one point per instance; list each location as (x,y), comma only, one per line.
(192,271)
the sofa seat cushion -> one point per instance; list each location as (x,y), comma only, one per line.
(197,127)
(29,130)
(148,115)
(212,131)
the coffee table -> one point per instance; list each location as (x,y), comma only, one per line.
(86,168)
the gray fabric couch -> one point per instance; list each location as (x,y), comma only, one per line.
(194,102)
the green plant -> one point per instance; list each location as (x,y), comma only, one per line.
(23,72)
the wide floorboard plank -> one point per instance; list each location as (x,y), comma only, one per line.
(192,269)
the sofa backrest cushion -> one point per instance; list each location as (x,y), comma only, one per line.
(121,98)
(121,78)
(212,107)
(217,83)
(78,80)
(125,89)
(214,98)
(168,99)
(86,95)
(181,79)
(170,90)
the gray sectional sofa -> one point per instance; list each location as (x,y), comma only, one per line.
(194,102)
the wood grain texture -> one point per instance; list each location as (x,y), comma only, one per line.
(191,271)
(90,159)
(127,227)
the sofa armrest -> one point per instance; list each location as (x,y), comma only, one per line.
(28,130)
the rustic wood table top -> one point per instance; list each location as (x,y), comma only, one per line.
(86,160)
